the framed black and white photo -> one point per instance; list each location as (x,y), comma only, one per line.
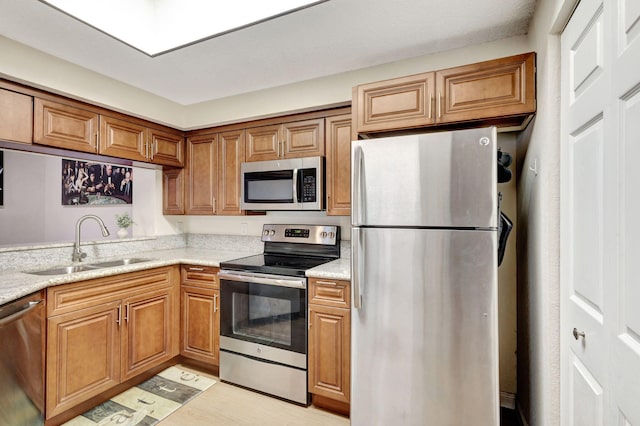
(94,183)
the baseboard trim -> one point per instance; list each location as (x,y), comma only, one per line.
(508,400)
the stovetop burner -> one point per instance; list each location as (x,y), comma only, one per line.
(277,265)
(291,250)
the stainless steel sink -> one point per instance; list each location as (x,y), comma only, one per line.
(62,270)
(119,262)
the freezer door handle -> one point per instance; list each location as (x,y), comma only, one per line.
(356,265)
(356,186)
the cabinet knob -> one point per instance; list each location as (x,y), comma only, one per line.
(577,334)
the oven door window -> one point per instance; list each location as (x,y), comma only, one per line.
(266,314)
(269,187)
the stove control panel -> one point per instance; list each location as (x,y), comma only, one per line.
(307,234)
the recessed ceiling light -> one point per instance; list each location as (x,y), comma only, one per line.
(159,26)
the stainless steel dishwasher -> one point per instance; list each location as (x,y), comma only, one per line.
(22,361)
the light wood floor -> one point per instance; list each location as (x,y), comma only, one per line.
(224,404)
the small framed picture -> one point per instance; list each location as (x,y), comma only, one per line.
(93,183)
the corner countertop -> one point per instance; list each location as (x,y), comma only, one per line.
(16,284)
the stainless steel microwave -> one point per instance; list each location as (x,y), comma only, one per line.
(292,184)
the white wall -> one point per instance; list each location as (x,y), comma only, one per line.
(538,236)
(33,212)
(24,64)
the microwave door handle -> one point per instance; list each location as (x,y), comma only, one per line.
(296,196)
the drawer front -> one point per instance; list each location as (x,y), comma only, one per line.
(72,297)
(200,276)
(329,292)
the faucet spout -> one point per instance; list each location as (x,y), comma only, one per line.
(78,254)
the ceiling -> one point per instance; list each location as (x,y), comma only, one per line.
(325,39)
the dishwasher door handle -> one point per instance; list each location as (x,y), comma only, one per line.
(10,314)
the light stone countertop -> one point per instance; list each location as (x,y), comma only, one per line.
(15,284)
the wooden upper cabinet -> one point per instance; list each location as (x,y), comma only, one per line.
(338,165)
(303,138)
(502,87)
(231,147)
(263,143)
(166,148)
(65,126)
(120,138)
(16,117)
(499,92)
(172,191)
(288,140)
(397,103)
(201,171)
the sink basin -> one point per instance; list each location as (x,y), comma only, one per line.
(62,270)
(119,262)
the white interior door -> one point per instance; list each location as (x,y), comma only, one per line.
(624,329)
(600,208)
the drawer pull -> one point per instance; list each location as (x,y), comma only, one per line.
(119,315)
(195,269)
(327,283)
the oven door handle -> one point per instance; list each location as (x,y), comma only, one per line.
(253,278)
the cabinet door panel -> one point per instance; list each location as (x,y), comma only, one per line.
(200,324)
(147,339)
(338,134)
(202,160)
(329,352)
(173,191)
(166,148)
(64,126)
(303,139)
(263,143)
(122,139)
(398,103)
(231,155)
(83,356)
(487,89)
(16,117)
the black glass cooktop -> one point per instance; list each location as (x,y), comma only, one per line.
(275,264)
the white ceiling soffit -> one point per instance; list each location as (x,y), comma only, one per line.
(158,26)
(327,38)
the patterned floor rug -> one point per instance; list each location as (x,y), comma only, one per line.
(149,402)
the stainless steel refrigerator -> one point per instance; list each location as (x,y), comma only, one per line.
(424,333)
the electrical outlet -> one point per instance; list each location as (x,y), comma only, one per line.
(243,228)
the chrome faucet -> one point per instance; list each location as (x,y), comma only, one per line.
(78,254)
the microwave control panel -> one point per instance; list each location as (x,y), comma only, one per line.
(309,183)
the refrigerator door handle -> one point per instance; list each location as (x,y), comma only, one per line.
(356,187)
(356,265)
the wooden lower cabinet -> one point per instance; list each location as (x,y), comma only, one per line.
(104,331)
(83,355)
(149,332)
(200,324)
(330,339)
